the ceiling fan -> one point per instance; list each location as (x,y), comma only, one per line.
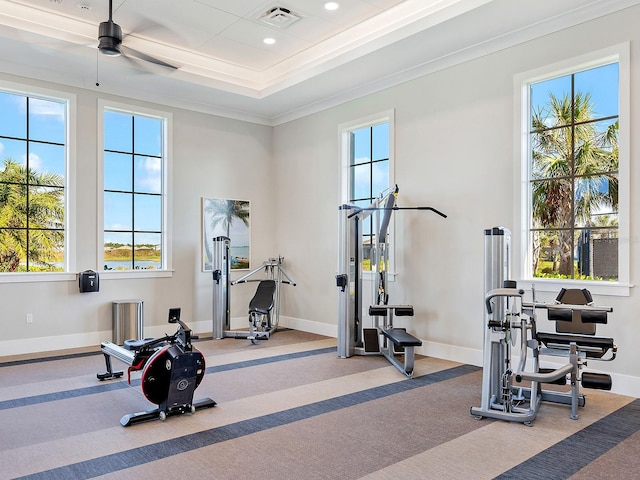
(110,43)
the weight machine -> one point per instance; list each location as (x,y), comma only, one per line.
(382,337)
(507,316)
(264,307)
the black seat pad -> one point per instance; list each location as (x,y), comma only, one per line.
(135,345)
(401,338)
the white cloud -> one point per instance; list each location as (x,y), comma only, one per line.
(152,168)
(46,108)
(35,162)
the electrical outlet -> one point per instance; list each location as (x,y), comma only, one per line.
(29,317)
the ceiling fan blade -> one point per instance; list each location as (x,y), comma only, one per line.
(130,52)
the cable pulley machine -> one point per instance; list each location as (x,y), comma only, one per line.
(382,337)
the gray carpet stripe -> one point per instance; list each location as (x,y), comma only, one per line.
(15,363)
(157,451)
(570,455)
(108,387)
(54,396)
(264,361)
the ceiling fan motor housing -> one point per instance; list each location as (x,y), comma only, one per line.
(110,38)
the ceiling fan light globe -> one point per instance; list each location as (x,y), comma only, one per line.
(110,50)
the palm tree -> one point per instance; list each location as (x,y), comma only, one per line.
(223,213)
(31,204)
(574,172)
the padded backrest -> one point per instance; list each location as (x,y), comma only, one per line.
(574,321)
(263,298)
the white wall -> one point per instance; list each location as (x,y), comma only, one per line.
(454,151)
(213,157)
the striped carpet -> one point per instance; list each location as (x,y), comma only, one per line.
(289,409)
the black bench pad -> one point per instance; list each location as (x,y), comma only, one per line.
(399,310)
(401,338)
(603,344)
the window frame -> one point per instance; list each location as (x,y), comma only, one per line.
(521,267)
(69,184)
(167,267)
(345,130)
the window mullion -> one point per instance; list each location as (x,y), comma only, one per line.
(27,189)
(572,171)
(133,197)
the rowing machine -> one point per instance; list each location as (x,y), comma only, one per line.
(171,371)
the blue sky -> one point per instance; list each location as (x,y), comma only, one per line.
(363,152)
(600,82)
(144,138)
(46,123)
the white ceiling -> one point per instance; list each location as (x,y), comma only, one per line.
(322,59)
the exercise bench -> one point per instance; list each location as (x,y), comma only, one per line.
(396,338)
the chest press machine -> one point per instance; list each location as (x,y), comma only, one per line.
(264,307)
(507,316)
(382,338)
(171,371)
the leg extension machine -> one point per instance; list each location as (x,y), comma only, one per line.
(507,316)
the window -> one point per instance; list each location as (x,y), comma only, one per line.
(575,174)
(34,150)
(134,200)
(367,162)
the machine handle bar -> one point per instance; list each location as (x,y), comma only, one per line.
(371,209)
(501,292)
(236,282)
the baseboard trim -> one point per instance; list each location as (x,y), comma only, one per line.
(50,344)
(309,326)
(622,384)
(453,353)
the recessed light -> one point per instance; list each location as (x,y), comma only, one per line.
(331,6)
(269,41)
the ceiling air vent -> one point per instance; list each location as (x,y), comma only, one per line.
(279,17)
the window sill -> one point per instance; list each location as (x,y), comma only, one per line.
(26,277)
(73,277)
(115,274)
(595,287)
